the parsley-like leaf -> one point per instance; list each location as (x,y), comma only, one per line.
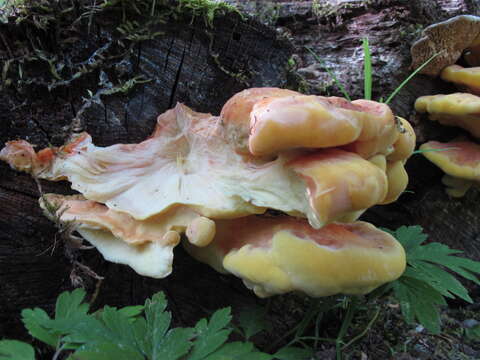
(252,321)
(211,334)
(16,350)
(425,283)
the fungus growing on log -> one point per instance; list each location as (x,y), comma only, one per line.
(278,255)
(447,40)
(458,109)
(325,160)
(459,160)
(465,78)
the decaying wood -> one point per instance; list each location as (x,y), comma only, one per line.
(203,67)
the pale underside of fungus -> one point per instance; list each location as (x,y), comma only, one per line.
(320,161)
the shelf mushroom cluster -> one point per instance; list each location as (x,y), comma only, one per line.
(320,162)
(454,40)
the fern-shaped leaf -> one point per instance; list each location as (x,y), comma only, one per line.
(173,345)
(426,283)
(106,351)
(70,303)
(35,320)
(16,350)
(211,335)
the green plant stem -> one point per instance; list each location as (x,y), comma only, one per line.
(367,70)
(301,338)
(332,75)
(345,325)
(404,82)
(362,334)
(318,306)
(433,150)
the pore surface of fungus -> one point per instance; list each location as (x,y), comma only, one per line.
(447,39)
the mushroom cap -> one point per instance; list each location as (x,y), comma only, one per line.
(459,158)
(458,109)
(268,121)
(235,113)
(405,145)
(302,122)
(145,245)
(468,78)
(457,187)
(278,255)
(379,131)
(339,182)
(188,162)
(397,181)
(449,39)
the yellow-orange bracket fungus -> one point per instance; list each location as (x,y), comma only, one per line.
(465,78)
(447,40)
(459,160)
(278,255)
(458,109)
(321,161)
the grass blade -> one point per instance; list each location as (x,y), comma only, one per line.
(332,75)
(367,70)
(404,82)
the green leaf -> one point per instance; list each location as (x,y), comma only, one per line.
(211,335)
(16,350)
(106,351)
(367,70)
(132,311)
(35,321)
(425,283)
(252,321)
(175,344)
(293,353)
(70,303)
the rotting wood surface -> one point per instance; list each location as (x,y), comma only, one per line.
(184,66)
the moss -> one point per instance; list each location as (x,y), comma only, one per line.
(44,57)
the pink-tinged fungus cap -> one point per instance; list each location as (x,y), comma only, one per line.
(339,182)
(303,122)
(459,159)
(397,181)
(449,39)
(379,131)
(278,255)
(405,144)
(458,109)
(235,113)
(145,245)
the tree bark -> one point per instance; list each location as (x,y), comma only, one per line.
(201,67)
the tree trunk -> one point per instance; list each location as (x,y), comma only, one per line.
(202,67)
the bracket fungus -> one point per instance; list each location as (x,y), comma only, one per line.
(448,40)
(278,255)
(320,161)
(459,160)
